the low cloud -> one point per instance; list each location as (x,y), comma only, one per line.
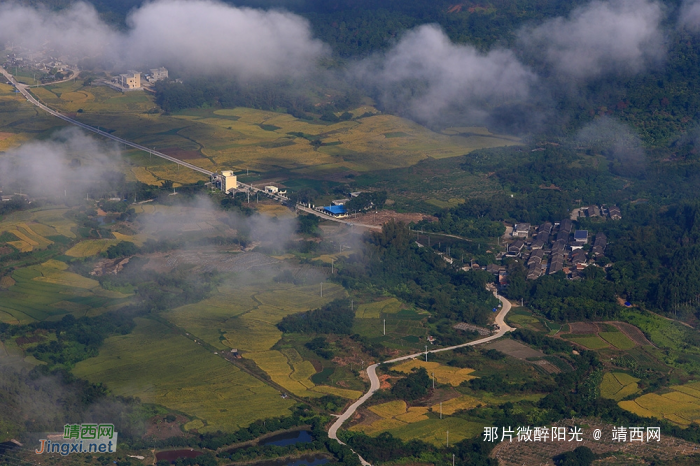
(69,161)
(200,36)
(616,37)
(614,140)
(427,77)
(689,17)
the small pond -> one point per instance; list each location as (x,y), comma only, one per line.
(288,438)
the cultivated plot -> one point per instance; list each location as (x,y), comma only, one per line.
(163,367)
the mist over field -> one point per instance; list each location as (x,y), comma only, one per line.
(615,140)
(69,160)
(199,37)
(425,75)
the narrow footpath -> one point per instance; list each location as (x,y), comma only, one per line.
(503,328)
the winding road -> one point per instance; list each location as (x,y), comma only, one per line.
(374,380)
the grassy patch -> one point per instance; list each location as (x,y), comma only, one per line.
(434,431)
(162,367)
(618,339)
(376,309)
(618,385)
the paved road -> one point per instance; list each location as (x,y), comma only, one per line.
(23,89)
(374,380)
(334,219)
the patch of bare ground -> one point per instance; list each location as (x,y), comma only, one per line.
(364,416)
(583,327)
(632,332)
(515,349)
(5,135)
(159,428)
(383,216)
(440,396)
(541,453)
(519,351)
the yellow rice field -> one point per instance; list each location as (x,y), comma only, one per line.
(443,374)
(376,309)
(457,404)
(680,406)
(394,414)
(91,247)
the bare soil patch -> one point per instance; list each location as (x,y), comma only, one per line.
(517,453)
(5,135)
(583,327)
(515,349)
(384,216)
(632,332)
(364,416)
(161,429)
(6,250)
(181,154)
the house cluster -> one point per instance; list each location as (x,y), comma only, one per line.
(552,248)
(592,211)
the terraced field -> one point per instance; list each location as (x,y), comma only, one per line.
(680,405)
(162,367)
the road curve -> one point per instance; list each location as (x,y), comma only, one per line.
(22,88)
(374,380)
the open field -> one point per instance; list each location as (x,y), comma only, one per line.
(376,309)
(235,138)
(435,430)
(618,385)
(392,414)
(20,120)
(457,404)
(603,335)
(443,374)
(680,405)
(159,366)
(244,316)
(91,247)
(48,291)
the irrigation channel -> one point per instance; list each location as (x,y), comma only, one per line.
(371,370)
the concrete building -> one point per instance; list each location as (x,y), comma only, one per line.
(521,230)
(158,74)
(335,211)
(229,181)
(130,80)
(340,201)
(581,237)
(272,189)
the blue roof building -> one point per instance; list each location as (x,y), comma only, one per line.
(335,210)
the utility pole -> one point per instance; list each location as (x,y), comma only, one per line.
(426,353)
(453,459)
(448,438)
(434,384)
(352,305)
(332,266)
(441,410)
(322,289)
(384,327)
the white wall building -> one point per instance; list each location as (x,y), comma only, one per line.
(229,181)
